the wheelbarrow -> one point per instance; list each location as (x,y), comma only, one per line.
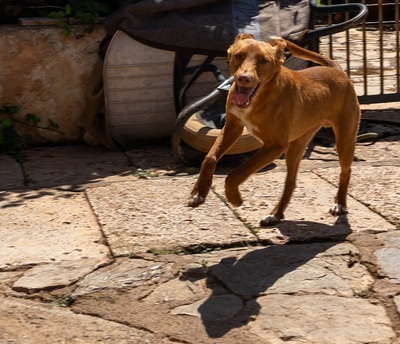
(188,28)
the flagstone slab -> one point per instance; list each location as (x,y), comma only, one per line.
(56,275)
(377,187)
(27,322)
(397,303)
(307,216)
(321,319)
(152,214)
(219,308)
(47,226)
(124,273)
(388,257)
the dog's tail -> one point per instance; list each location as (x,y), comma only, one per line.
(310,55)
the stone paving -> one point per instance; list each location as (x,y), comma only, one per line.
(103,249)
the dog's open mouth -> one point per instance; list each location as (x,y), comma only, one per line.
(243,96)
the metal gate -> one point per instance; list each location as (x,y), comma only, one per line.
(370,54)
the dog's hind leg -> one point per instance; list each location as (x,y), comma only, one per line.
(346,137)
(293,157)
(345,145)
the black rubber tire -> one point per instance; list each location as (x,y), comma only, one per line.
(191,139)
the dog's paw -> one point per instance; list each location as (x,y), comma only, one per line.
(270,220)
(234,197)
(195,201)
(338,209)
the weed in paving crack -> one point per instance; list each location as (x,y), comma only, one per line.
(145,174)
(64,301)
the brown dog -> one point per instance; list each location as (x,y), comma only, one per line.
(283,109)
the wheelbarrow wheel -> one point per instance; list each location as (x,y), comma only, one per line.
(191,139)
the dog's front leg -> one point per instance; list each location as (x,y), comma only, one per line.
(227,137)
(263,157)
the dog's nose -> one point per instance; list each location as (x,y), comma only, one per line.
(244,79)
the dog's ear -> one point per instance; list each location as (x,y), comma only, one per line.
(242,36)
(279,44)
(238,38)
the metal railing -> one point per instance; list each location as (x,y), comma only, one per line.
(370,53)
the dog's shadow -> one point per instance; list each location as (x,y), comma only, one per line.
(236,283)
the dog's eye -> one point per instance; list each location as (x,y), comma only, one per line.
(264,60)
(239,56)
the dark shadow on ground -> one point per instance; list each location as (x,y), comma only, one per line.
(242,280)
(72,168)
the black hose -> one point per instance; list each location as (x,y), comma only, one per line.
(374,137)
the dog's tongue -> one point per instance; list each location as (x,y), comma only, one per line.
(239,99)
(242,96)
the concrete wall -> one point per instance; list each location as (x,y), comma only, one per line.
(45,73)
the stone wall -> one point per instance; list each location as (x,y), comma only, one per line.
(45,73)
